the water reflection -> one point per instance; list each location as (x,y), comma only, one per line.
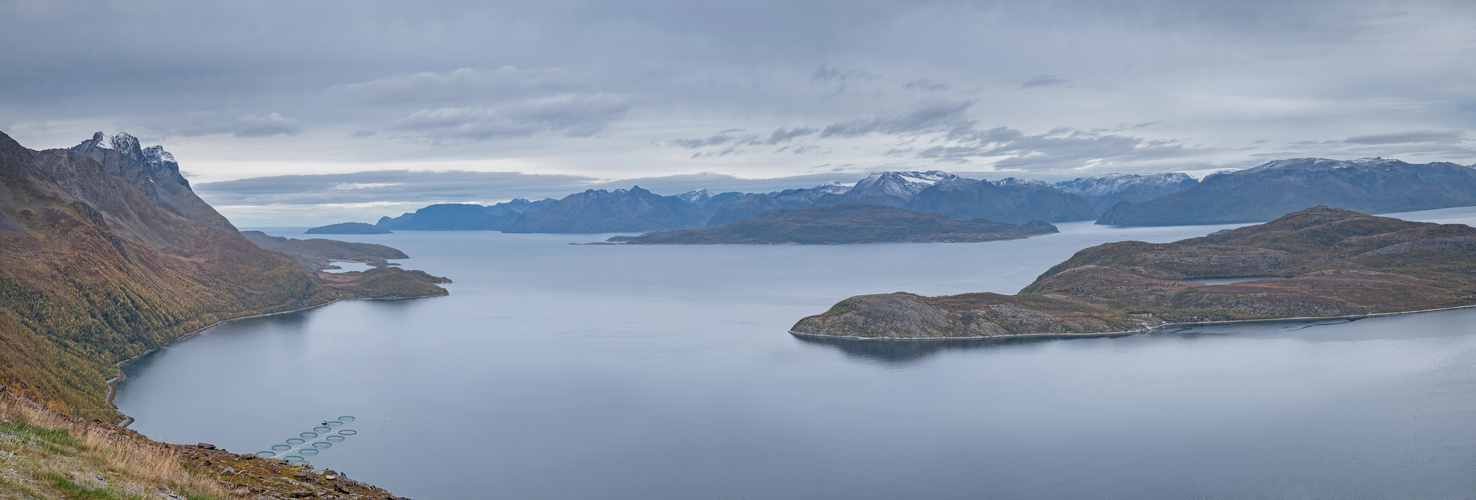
(903,352)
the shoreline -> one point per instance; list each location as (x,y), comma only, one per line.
(121,376)
(1067,335)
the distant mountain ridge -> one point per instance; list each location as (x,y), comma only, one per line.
(638,210)
(842,224)
(1368,185)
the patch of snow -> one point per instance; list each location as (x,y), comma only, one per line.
(157,154)
(835,187)
(900,184)
(1104,185)
(100,141)
(1016,181)
(697,196)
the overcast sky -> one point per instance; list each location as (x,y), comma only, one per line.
(485,100)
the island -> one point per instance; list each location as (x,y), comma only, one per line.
(1317,263)
(348,228)
(848,223)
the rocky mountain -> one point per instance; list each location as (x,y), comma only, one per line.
(1324,262)
(106,253)
(1104,191)
(893,189)
(618,211)
(848,223)
(462,217)
(1010,200)
(1371,185)
(153,172)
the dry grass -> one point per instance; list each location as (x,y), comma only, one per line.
(55,456)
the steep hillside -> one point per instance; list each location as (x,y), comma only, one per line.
(105,253)
(1369,185)
(1319,262)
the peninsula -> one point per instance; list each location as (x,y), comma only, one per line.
(848,223)
(1330,262)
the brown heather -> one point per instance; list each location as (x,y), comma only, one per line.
(1332,262)
(104,256)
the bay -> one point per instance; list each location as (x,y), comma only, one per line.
(561,371)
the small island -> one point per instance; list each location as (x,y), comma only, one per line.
(348,228)
(1326,262)
(848,223)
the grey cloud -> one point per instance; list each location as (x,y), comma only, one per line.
(715,140)
(1043,81)
(1412,137)
(782,135)
(571,115)
(1059,148)
(501,84)
(778,136)
(266,125)
(426,187)
(926,85)
(828,74)
(926,118)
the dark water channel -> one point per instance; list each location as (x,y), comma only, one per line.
(557,371)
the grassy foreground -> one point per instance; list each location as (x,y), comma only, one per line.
(49,455)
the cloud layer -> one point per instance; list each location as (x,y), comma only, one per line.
(758,89)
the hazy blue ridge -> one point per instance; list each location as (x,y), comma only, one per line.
(1014,201)
(348,228)
(1369,185)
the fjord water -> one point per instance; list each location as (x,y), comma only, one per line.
(559,371)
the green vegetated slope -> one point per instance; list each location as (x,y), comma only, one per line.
(1332,262)
(100,262)
(849,223)
(93,271)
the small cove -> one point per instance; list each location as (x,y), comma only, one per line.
(557,371)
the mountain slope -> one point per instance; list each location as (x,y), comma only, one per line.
(1006,201)
(105,253)
(462,216)
(1104,191)
(849,223)
(618,211)
(1370,185)
(1330,262)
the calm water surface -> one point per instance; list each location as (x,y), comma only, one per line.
(558,371)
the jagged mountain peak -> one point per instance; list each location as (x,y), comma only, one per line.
(696,196)
(902,184)
(1103,185)
(1322,164)
(835,187)
(1018,181)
